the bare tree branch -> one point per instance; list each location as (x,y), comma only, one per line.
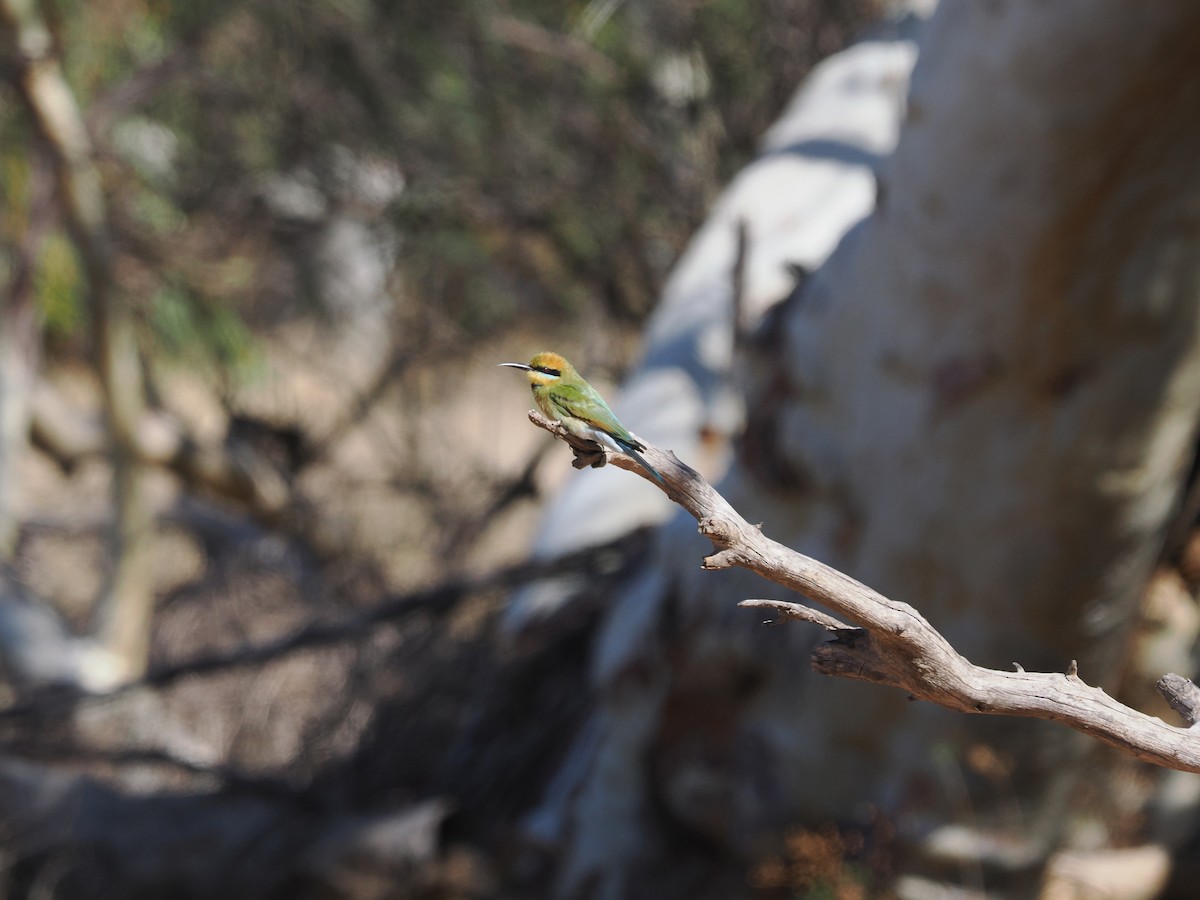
(438,600)
(533,38)
(894,644)
(57,750)
(137,89)
(798,612)
(70,435)
(37,77)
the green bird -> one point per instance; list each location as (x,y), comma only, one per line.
(561,393)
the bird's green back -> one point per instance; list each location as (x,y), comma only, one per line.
(581,401)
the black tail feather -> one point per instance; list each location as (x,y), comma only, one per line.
(632,450)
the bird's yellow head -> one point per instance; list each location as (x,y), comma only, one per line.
(545,368)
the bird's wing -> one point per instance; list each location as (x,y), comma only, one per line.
(589,406)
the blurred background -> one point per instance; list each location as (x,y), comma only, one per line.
(294,601)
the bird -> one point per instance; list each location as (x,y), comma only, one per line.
(562,394)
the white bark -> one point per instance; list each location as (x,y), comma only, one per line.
(983,404)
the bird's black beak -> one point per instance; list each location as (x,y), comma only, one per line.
(517,366)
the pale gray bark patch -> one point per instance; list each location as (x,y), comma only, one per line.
(984,404)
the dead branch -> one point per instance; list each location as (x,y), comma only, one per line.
(891,642)
(71,751)
(70,435)
(437,601)
(566,47)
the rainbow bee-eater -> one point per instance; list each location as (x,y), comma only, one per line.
(561,393)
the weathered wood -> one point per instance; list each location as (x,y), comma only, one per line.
(894,644)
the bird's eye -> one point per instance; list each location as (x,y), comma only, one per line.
(546,370)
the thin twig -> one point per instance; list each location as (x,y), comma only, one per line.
(566,47)
(798,612)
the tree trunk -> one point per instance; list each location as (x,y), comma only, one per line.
(985,405)
(21,348)
(20,351)
(126,607)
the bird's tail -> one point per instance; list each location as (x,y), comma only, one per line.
(632,450)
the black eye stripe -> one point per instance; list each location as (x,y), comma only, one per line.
(546,370)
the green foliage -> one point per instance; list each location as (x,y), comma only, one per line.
(58,284)
(107,41)
(555,162)
(187,330)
